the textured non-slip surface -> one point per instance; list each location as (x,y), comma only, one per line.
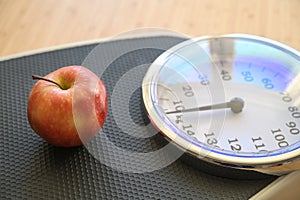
(32,169)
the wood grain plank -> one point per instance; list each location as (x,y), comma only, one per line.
(31,24)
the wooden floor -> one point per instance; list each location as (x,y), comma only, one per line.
(31,24)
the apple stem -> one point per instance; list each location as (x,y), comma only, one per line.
(37,77)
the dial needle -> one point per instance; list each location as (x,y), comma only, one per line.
(236,104)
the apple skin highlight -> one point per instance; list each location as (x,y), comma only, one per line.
(70,116)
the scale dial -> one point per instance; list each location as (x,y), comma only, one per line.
(232,100)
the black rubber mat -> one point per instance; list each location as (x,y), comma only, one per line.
(32,169)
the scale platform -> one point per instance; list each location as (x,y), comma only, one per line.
(30,168)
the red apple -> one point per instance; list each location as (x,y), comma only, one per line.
(68,106)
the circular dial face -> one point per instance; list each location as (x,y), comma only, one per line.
(233,99)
